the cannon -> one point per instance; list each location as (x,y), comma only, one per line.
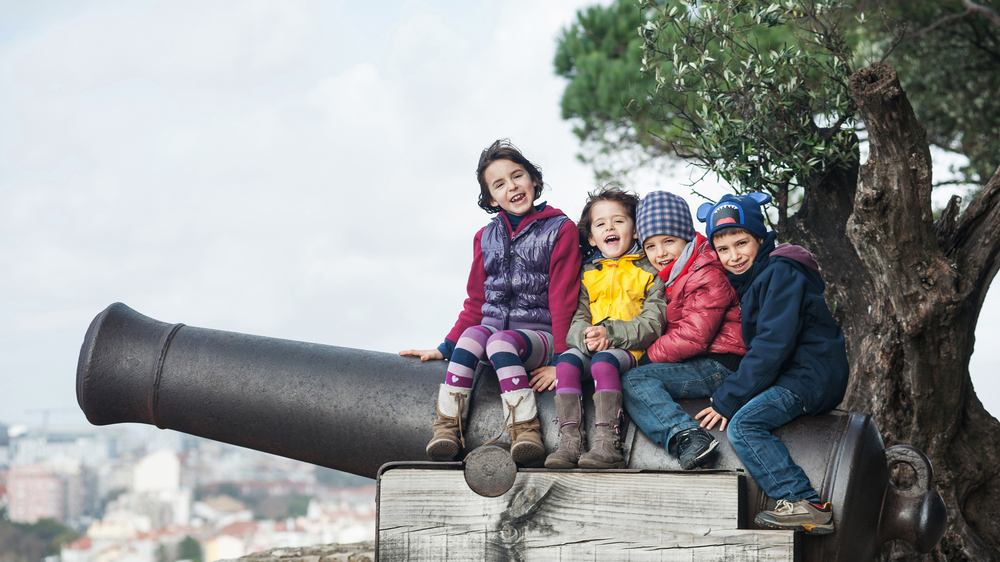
(362,411)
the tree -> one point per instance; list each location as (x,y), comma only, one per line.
(947,58)
(946,52)
(601,54)
(906,288)
(22,541)
(189,549)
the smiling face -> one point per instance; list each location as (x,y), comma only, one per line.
(611,228)
(511,188)
(736,250)
(662,249)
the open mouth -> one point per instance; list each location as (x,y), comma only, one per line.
(611,239)
(517,198)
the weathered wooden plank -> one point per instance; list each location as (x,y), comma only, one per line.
(731,545)
(411,500)
(433,515)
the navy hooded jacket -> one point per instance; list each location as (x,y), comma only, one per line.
(793,340)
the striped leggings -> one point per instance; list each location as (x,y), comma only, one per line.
(513,354)
(606,367)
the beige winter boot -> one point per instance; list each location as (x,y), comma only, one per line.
(571,441)
(522,420)
(607,450)
(453,410)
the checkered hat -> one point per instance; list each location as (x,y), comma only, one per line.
(662,212)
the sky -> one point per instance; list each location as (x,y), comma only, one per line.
(294,169)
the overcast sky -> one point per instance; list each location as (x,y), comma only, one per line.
(302,170)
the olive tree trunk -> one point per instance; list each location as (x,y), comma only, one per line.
(908,290)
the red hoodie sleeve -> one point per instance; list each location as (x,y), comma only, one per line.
(564,282)
(472,310)
(706,299)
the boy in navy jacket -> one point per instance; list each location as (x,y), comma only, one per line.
(796,362)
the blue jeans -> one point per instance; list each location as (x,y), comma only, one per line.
(649,392)
(763,455)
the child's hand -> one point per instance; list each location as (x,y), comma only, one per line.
(711,417)
(543,378)
(597,345)
(596,338)
(423,354)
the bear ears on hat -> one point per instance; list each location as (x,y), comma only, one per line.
(705,208)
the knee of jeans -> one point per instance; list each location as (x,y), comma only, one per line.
(734,430)
(630,379)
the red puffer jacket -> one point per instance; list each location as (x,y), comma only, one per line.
(703,313)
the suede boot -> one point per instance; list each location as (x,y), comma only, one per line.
(607,451)
(453,410)
(571,442)
(526,446)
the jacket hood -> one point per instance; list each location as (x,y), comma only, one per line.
(804,261)
(797,253)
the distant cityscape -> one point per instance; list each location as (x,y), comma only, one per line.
(140,494)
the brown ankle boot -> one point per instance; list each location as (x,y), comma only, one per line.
(452,409)
(607,451)
(522,420)
(571,441)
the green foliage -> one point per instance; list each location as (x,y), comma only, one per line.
(601,54)
(741,124)
(189,549)
(298,504)
(766,101)
(34,541)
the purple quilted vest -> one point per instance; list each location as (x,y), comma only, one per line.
(517,273)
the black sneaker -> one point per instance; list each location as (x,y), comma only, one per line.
(802,516)
(694,447)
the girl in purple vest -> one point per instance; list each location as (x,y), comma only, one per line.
(522,294)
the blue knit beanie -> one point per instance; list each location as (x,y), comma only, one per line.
(742,211)
(662,212)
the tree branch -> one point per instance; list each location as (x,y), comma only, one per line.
(939,23)
(970,8)
(984,11)
(973,239)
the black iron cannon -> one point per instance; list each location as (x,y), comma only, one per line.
(355,411)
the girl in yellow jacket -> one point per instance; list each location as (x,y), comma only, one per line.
(619,314)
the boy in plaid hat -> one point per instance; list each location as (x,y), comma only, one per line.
(702,343)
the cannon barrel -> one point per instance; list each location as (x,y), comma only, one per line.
(354,411)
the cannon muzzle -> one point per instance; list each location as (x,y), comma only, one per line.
(342,408)
(355,411)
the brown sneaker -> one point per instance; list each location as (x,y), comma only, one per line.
(607,449)
(526,446)
(571,444)
(798,516)
(453,410)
